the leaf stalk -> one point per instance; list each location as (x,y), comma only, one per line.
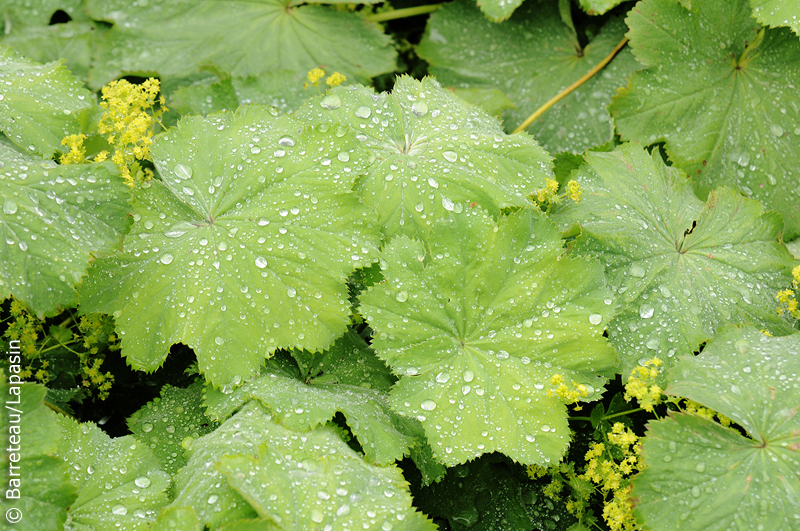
(403,13)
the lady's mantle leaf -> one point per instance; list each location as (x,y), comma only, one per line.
(39,104)
(705,477)
(722,92)
(303,406)
(681,269)
(243,248)
(539,58)
(120,485)
(478,322)
(432,153)
(53,218)
(166,421)
(777,13)
(31,436)
(314,481)
(598,7)
(241,37)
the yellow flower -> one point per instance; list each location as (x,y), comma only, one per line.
(315,75)
(641,385)
(335,79)
(77,151)
(574,191)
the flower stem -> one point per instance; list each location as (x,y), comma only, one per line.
(620,414)
(403,13)
(564,93)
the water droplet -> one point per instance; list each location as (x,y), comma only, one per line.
(344,510)
(468,376)
(776,130)
(218,340)
(331,102)
(428,405)
(343,156)
(261,262)
(291,292)
(701,467)
(363,112)
(166,258)
(595,318)
(401,296)
(213,498)
(183,171)
(696,491)
(637,271)
(317,516)
(450,156)
(9,206)
(255,150)
(419,109)
(442,377)
(646,311)
(147,427)
(119,510)
(142,482)
(448,204)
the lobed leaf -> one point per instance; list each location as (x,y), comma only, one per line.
(431,152)
(241,37)
(54,219)
(723,97)
(243,247)
(119,482)
(71,42)
(682,269)
(477,321)
(40,104)
(540,57)
(777,13)
(703,476)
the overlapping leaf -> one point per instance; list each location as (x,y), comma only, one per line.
(305,405)
(40,104)
(39,12)
(702,476)
(540,57)
(241,37)
(777,13)
(71,42)
(120,485)
(721,91)
(164,423)
(53,219)
(242,248)
(478,320)
(598,7)
(41,480)
(432,152)
(682,269)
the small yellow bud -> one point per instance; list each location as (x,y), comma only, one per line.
(335,79)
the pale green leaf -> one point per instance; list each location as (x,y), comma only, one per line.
(478,321)
(432,152)
(539,59)
(241,37)
(31,435)
(682,269)
(302,406)
(243,247)
(490,100)
(38,12)
(598,7)
(39,104)
(314,481)
(498,10)
(777,13)
(705,477)
(120,485)
(53,219)
(728,116)
(166,421)
(174,518)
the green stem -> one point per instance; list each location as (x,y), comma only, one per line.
(403,13)
(750,51)
(615,415)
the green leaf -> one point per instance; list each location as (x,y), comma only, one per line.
(31,435)
(489,494)
(682,269)
(302,406)
(702,476)
(598,7)
(310,481)
(490,100)
(432,152)
(777,13)
(242,248)
(498,10)
(165,422)
(120,485)
(172,518)
(540,59)
(243,38)
(54,218)
(39,12)
(729,116)
(477,323)
(40,103)
(72,42)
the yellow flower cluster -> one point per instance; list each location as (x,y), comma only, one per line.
(612,475)
(788,297)
(316,74)
(641,385)
(24,328)
(129,120)
(93,377)
(548,196)
(569,395)
(690,406)
(77,151)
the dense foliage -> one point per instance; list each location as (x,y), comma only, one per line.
(513,266)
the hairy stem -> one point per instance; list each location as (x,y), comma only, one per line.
(564,93)
(403,13)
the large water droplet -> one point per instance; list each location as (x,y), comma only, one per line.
(401,296)
(10,206)
(331,102)
(166,258)
(261,262)
(595,318)
(363,112)
(142,482)
(468,375)
(419,109)
(646,311)
(450,156)
(183,171)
